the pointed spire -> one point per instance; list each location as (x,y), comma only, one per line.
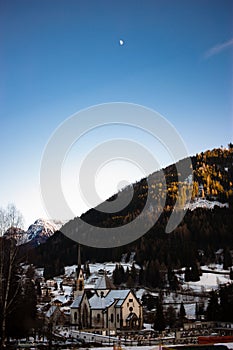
(79,256)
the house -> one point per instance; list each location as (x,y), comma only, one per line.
(107,309)
(54,316)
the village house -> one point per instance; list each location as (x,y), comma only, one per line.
(54,316)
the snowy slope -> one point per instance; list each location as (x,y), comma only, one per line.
(204,203)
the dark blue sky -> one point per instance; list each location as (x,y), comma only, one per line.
(58,57)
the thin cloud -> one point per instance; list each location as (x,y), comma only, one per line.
(218,48)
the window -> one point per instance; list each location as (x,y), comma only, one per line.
(118,318)
(112,318)
(75,317)
(130,300)
(98,318)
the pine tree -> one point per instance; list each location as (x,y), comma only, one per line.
(213,308)
(159,322)
(195,273)
(231,274)
(38,288)
(141,277)
(226,303)
(49,271)
(227,259)
(171,316)
(133,273)
(182,312)
(172,279)
(130,282)
(116,275)
(187,274)
(121,274)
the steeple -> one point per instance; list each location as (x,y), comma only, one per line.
(79,255)
(79,276)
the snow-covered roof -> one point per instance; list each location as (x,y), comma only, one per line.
(97,302)
(76,302)
(104,282)
(51,311)
(118,296)
(118,293)
(119,302)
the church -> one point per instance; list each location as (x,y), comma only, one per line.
(104,309)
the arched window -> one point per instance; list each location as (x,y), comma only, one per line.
(112,319)
(75,317)
(98,318)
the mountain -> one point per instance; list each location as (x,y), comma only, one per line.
(206,226)
(36,233)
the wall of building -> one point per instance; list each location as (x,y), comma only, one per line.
(131,302)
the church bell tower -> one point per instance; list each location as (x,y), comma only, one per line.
(79,288)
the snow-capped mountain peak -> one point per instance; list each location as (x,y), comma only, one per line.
(36,233)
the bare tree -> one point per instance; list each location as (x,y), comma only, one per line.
(9,290)
(10,217)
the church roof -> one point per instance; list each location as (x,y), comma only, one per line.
(118,296)
(104,282)
(97,302)
(102,302)
(118,293)
(76,303)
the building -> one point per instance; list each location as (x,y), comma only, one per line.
(105,310)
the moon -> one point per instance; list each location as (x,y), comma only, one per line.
(121,42)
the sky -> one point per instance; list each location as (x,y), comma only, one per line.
(59,57)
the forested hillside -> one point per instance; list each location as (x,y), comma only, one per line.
(199,235)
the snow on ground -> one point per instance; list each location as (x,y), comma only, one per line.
(70,270)
(208,282)
(139,293)
(108,267)
(64,295)
(204,203)
(148,326)
(173,297)
(215,268)
(229,345)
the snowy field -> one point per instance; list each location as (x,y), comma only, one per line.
(208,281)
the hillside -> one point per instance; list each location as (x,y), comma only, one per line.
(202,229)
